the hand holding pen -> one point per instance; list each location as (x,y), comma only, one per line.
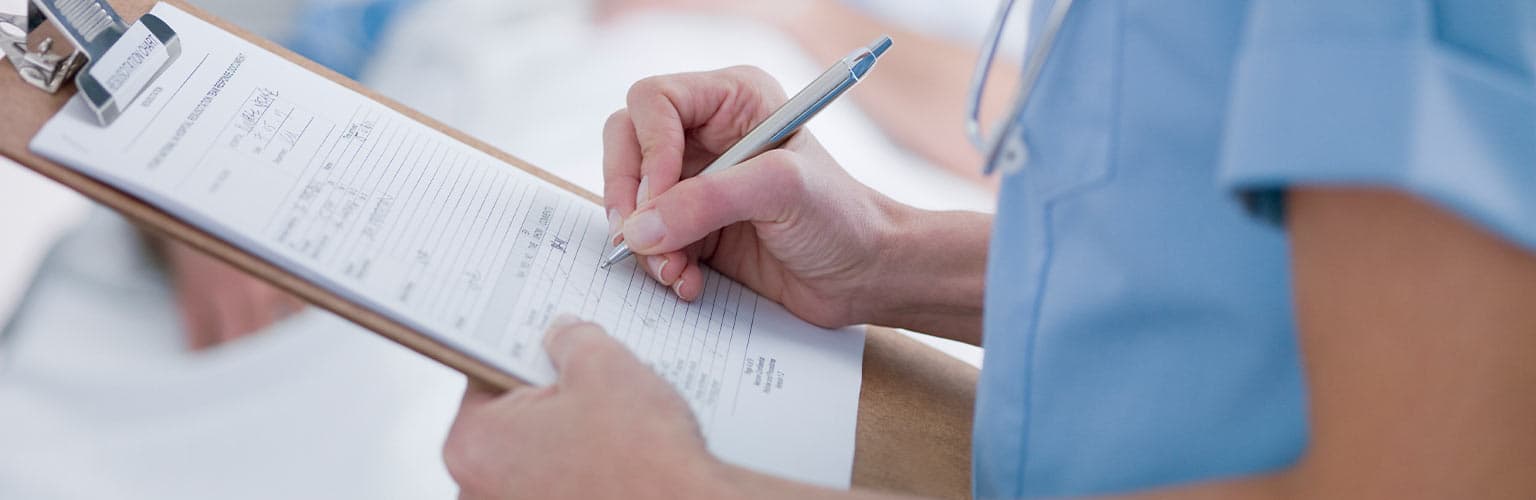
(785,121)
(789,222)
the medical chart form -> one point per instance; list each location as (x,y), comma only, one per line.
(455,243)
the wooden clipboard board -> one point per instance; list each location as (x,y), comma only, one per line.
(915,409)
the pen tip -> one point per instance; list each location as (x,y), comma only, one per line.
(880,46)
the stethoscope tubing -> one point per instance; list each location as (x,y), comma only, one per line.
(1035,62)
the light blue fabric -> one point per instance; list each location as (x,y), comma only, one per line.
(1434,98)
(343,34)
(1139,325)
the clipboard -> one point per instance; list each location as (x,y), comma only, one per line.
(915,407)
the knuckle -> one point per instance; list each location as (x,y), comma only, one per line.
(585,343)
(748,73)
(785,170)
(458,456)
(594,339)
(520,399)
(453,456)
(616,121)
(649,86)
(642,86)
(759,81)
(609,352)
(708,191)
(651,150)
(579,362)
(709,196)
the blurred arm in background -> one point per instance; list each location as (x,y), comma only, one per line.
(217,302)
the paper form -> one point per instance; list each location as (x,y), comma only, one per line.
(454,243)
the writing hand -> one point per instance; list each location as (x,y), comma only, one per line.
(790,223)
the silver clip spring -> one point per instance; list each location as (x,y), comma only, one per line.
(91,30)
(44,64)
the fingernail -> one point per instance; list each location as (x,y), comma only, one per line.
(614,225)
(644,193)
(563,320)
(677,288)
(644,229)
(658,266)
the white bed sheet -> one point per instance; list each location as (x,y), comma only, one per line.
(34,212)
(104,402)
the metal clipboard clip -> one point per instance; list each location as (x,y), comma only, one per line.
(109,74)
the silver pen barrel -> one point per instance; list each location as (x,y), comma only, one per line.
(783,123)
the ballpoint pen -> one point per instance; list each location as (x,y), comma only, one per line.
(777,128)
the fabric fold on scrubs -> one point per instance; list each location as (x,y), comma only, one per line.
(1436,99)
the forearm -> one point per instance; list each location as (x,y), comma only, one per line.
(931,273)
(919,98)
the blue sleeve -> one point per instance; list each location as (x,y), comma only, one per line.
(343,34)
(1434,98)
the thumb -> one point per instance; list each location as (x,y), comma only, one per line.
(762,189)
(583,354)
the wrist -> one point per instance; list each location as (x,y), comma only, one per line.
(931,272)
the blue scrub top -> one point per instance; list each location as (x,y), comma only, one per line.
(1139,327)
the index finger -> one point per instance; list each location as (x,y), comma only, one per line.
(621,170)
(714,109)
